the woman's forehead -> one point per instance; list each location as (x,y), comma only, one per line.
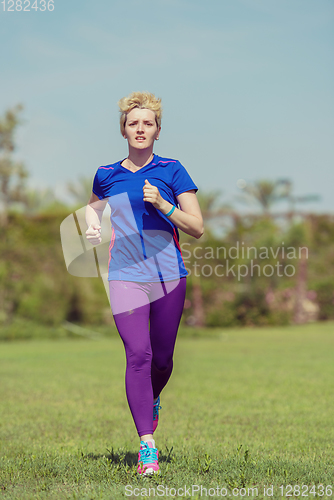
(137,113)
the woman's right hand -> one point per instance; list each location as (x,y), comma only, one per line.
(93,234)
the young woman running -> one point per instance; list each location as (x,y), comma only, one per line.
(150,198)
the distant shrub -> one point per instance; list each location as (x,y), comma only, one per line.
(224,316)
(244,308)
(45,301)
(34,282)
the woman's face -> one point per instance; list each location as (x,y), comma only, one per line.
(141,129)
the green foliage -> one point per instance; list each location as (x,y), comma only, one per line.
(248,308)
(35,284)
(266,193)
(44,300)
(81,190)
(224,316)
(298,234)
(257,298)
(13,174)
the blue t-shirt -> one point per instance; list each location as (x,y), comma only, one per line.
(144,243)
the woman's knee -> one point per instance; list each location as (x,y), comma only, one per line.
(140,359)
(162,365)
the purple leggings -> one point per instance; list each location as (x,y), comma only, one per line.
(149,348)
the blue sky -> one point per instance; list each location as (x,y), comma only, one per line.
(246,85)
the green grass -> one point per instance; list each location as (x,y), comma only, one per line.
(244,408)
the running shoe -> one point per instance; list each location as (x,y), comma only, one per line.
(156,408)
(147,458)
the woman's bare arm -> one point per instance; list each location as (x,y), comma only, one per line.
(188,217)
(94,212)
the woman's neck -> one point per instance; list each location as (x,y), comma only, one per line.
(139,158)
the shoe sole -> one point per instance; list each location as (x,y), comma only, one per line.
(148,472)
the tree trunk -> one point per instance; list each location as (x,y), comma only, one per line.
(3,219)
(300,316)
(198,303)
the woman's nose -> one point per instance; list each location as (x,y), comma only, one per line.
(140,127)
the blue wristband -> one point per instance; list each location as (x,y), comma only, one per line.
(171,211)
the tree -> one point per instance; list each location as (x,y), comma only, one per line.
(299,237)
(293,200)
(213,212)
(80,190)
(12,174)
(265,193)
(39,200)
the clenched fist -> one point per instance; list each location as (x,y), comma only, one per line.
(93,234)
(151,194)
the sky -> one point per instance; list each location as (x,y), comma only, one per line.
(247,88)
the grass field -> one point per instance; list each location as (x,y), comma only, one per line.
(246,408)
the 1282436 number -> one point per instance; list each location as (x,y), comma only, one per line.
(27,5)
(304,490)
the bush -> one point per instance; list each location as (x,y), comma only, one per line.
(224,316)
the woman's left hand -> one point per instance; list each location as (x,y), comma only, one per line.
(151,194)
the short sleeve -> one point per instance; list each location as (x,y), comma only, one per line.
(182,181)
(97,187)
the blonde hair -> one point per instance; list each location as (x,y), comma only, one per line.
(141,100)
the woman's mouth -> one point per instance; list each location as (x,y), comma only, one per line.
(140,139)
